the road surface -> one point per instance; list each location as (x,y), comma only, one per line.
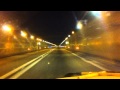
(51,64)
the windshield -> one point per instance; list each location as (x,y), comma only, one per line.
(52,44)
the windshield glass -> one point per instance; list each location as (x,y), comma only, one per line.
(53,44)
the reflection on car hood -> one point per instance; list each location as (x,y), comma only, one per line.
(93,75)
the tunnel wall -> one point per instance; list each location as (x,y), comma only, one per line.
(12,44)
(100,37)
(104,46)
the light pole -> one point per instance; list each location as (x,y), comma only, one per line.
(69,36)
(32,37)
(73,32)
(79,25)
(80,33)
(23,34)
(38,43)
(74,39)
(7,29)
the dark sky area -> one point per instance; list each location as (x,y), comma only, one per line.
(52,26)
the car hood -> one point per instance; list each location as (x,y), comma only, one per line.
(93,75)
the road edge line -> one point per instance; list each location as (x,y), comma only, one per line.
(18,74)
(20,67)
(94,64)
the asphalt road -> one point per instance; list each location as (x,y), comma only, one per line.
(10,63)
(51,64)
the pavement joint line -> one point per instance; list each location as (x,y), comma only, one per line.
(27,68)
(98,66)
(20,67)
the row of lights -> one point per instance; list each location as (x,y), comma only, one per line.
(50,43)
(8,29)
(80,25)
(66,38)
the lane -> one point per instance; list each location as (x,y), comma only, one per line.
(56,65)
(112,65)
(10,63)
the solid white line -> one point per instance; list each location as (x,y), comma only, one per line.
(95,64)
(15,70)
(98,66)
(27,68)
(20,67)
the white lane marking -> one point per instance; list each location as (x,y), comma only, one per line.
(20,67)
(98,66)
(27,68)
(95,64)
(15,70)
